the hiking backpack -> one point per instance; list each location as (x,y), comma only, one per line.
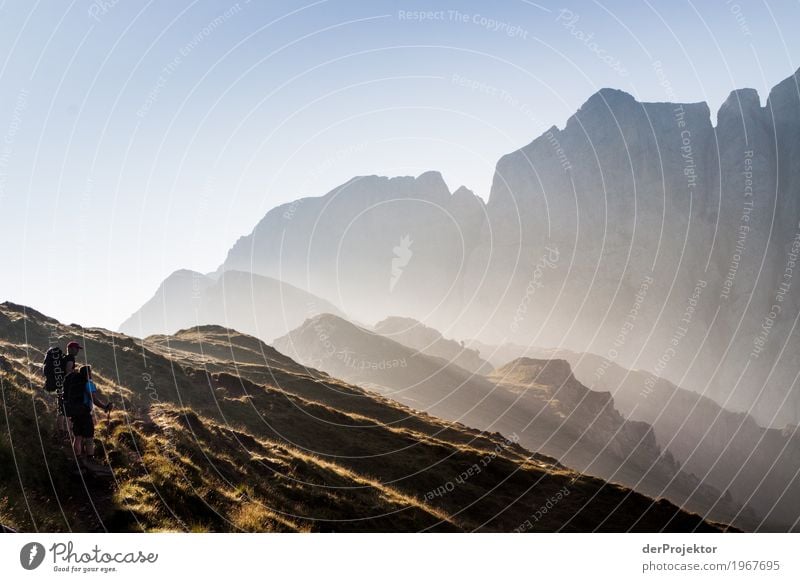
(53,369)
(75,395)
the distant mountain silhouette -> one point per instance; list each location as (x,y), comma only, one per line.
(207,436)
(382,245)
(429,341)
(630,204)
(254,304)
(687,225)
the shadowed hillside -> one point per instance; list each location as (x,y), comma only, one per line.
(728,449)
(209,437)
(544,404)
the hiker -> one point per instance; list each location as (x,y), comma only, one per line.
(80,397)
(73,348)
(62,426)
(55,368)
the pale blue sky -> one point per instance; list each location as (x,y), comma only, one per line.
(138,137)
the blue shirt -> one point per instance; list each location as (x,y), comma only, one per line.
(87,396)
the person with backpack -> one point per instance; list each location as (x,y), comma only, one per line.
(54,372)
(80,397)
(57,365)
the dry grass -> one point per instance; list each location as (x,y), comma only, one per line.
(196,447)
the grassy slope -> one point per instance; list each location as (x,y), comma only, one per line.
(236,441)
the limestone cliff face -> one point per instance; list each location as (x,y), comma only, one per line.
(651,195)
(648,231)
(374,245)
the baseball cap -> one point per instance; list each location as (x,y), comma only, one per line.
(74,345)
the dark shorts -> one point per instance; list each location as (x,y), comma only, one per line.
(83,425)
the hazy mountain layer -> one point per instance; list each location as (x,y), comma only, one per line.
(257,305)
(206,437)
(429,341)
(728,450)
(639,229)
(542,403)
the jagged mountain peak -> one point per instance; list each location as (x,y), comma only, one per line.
(746,98)
(784,99)
(433,180)
(740,104)
(464,197)
(427,185)
(609,96)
